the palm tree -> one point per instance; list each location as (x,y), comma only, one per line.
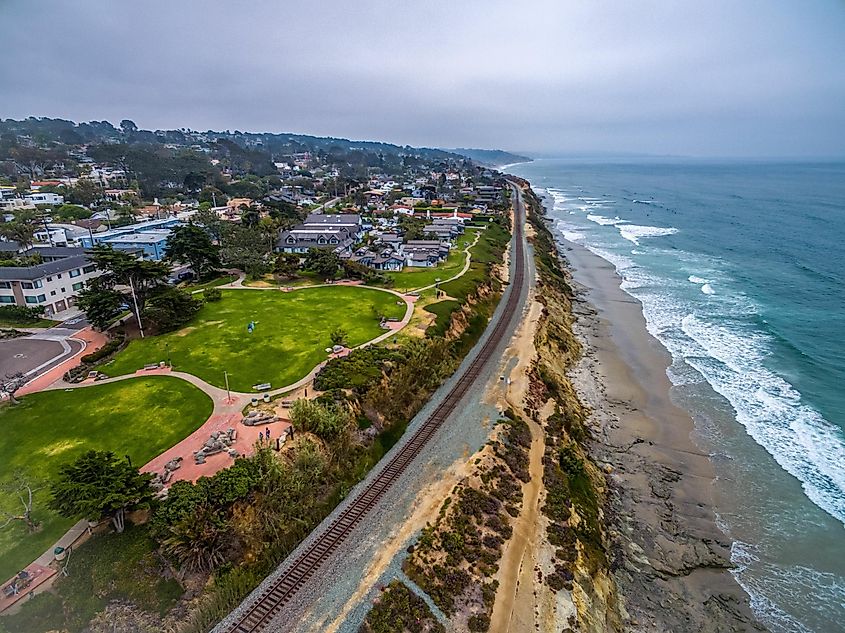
(198,542)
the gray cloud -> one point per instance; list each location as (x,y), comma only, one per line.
(698,78)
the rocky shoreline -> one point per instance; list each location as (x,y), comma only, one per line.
(669,560)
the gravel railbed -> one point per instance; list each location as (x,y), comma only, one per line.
(323,596)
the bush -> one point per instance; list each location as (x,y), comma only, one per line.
(106,350)
(21,313)
(212,294)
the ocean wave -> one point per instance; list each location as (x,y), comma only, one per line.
(635,232)
(708,289)
(798,437)
(761,579)
(600,219)
(698,280)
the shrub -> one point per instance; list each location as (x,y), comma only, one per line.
(106,350)
(21,313)
(212,294)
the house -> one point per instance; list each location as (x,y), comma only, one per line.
(302,238)
(349,221)
(393,240)
(45,198)
(322,230)
(424,253)
(53,284)
(440,232)
(148,237)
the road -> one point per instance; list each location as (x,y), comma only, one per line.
(274,604)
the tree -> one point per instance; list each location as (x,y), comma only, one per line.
(101,305)
(325,421)
(338,336)
(99,485)
(127,126)
(121,274)
(322,261)
(244,248)
(287,265)
(18,231)
(71,212)
(24,489)
(170,308)
(84,192)
(249,215)
(198,541)
(210,221)
(192,245)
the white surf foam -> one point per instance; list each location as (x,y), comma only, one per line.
(800,440)
(708,289)
(698,280)
(635,232)
(600,219)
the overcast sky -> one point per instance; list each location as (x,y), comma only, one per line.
(714,77)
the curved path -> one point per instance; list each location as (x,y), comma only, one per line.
(463,270)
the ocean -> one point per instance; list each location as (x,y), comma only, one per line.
(739,267)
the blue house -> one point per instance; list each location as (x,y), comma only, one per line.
(148,237)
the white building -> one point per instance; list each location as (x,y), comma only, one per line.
(53,284)
(45,198)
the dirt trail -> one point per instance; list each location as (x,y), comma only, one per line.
(515,600)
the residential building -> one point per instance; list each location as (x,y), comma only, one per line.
(149,238)
(322,230)
(45,198)
(53,284)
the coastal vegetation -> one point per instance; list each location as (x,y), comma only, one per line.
(456,557)
(400,610)
(575,485)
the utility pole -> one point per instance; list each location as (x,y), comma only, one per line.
(137,311)
(226,378)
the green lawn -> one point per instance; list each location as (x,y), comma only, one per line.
(141,418)
(212,283)
(412,278)
(291,333)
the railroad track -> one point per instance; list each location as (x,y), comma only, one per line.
(261,609)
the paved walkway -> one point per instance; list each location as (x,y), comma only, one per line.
(90,341)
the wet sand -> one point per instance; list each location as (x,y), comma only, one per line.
(671,559)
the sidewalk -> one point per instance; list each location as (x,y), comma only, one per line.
(91,341)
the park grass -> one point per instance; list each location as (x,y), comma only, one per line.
(443,311)
(488,250)
(211,283)
(140,418)
(108,567)
(411,277)
(291,334)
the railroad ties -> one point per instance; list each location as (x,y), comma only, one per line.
(262,609)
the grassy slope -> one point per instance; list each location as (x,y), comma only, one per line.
(140,417)
(291,334)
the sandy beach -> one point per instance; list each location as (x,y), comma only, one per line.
(671,560)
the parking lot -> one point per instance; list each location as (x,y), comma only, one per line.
(35,355)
